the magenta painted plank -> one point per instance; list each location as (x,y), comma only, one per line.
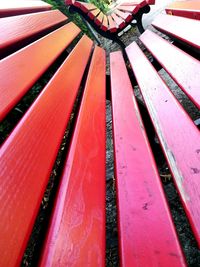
(178,135)
(17,28)
(28,155)
(184,69)
(17,66)
(181,28)
(147,234)
(76,236)
(11,8)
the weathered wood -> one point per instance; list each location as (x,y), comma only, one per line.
(178,135)
(184,69)
(186,29)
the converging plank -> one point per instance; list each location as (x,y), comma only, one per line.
(178,135)
(12,8)
(76,236)
(17,75)
(17,28)
(28,155)
(187,30)
(183,68)
(147,235)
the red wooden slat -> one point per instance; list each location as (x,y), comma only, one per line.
(184,69)
(181,28)
(119,21)
(124,15)
(11,8)
(147,235)
(28,155)
(93,13)
(178,135)
(104,25)
(17,28)
(131,9)
(189,9)
(76,236)
(112,25)
(17,75)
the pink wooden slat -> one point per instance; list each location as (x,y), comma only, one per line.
(16,74)
(93,13)
(178,135)
(17,28)
(119,21)
(76,236)
(99,19)
(181,28)
(104,25)
(139,3)
(184,69)
(85,7)
(147,235)
(131,9)
(189,9)
(28,155)
(124,15)
(11,8)
(112,25)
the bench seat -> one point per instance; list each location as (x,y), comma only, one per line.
(68,117)
(188,9)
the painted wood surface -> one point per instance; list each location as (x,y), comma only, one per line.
(99,19)
(131,9)
(147,235)
(17,28)
(139,3)
(76,236)
(119,21)
(12,8)
(85,7)
(186,29)
(124,15)
(93,13)
(112,25)
(17,76)
(183,68)
(178,135)
(104,25)
(189,9)
(28,155)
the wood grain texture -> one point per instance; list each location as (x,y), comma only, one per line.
(147,235)
(12,8)
(17,28)
(181,28)
(184,69)
(17,76)
(76,236)
(178,135)
(28,155)
(188,9)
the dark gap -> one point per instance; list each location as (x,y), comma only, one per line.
(12,119)
(112,253)
(183,228)
(21,44)
(37,238)
(187,104)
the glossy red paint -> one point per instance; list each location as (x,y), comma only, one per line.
(178,135)
(76,236)
(17,76)
(28,155)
